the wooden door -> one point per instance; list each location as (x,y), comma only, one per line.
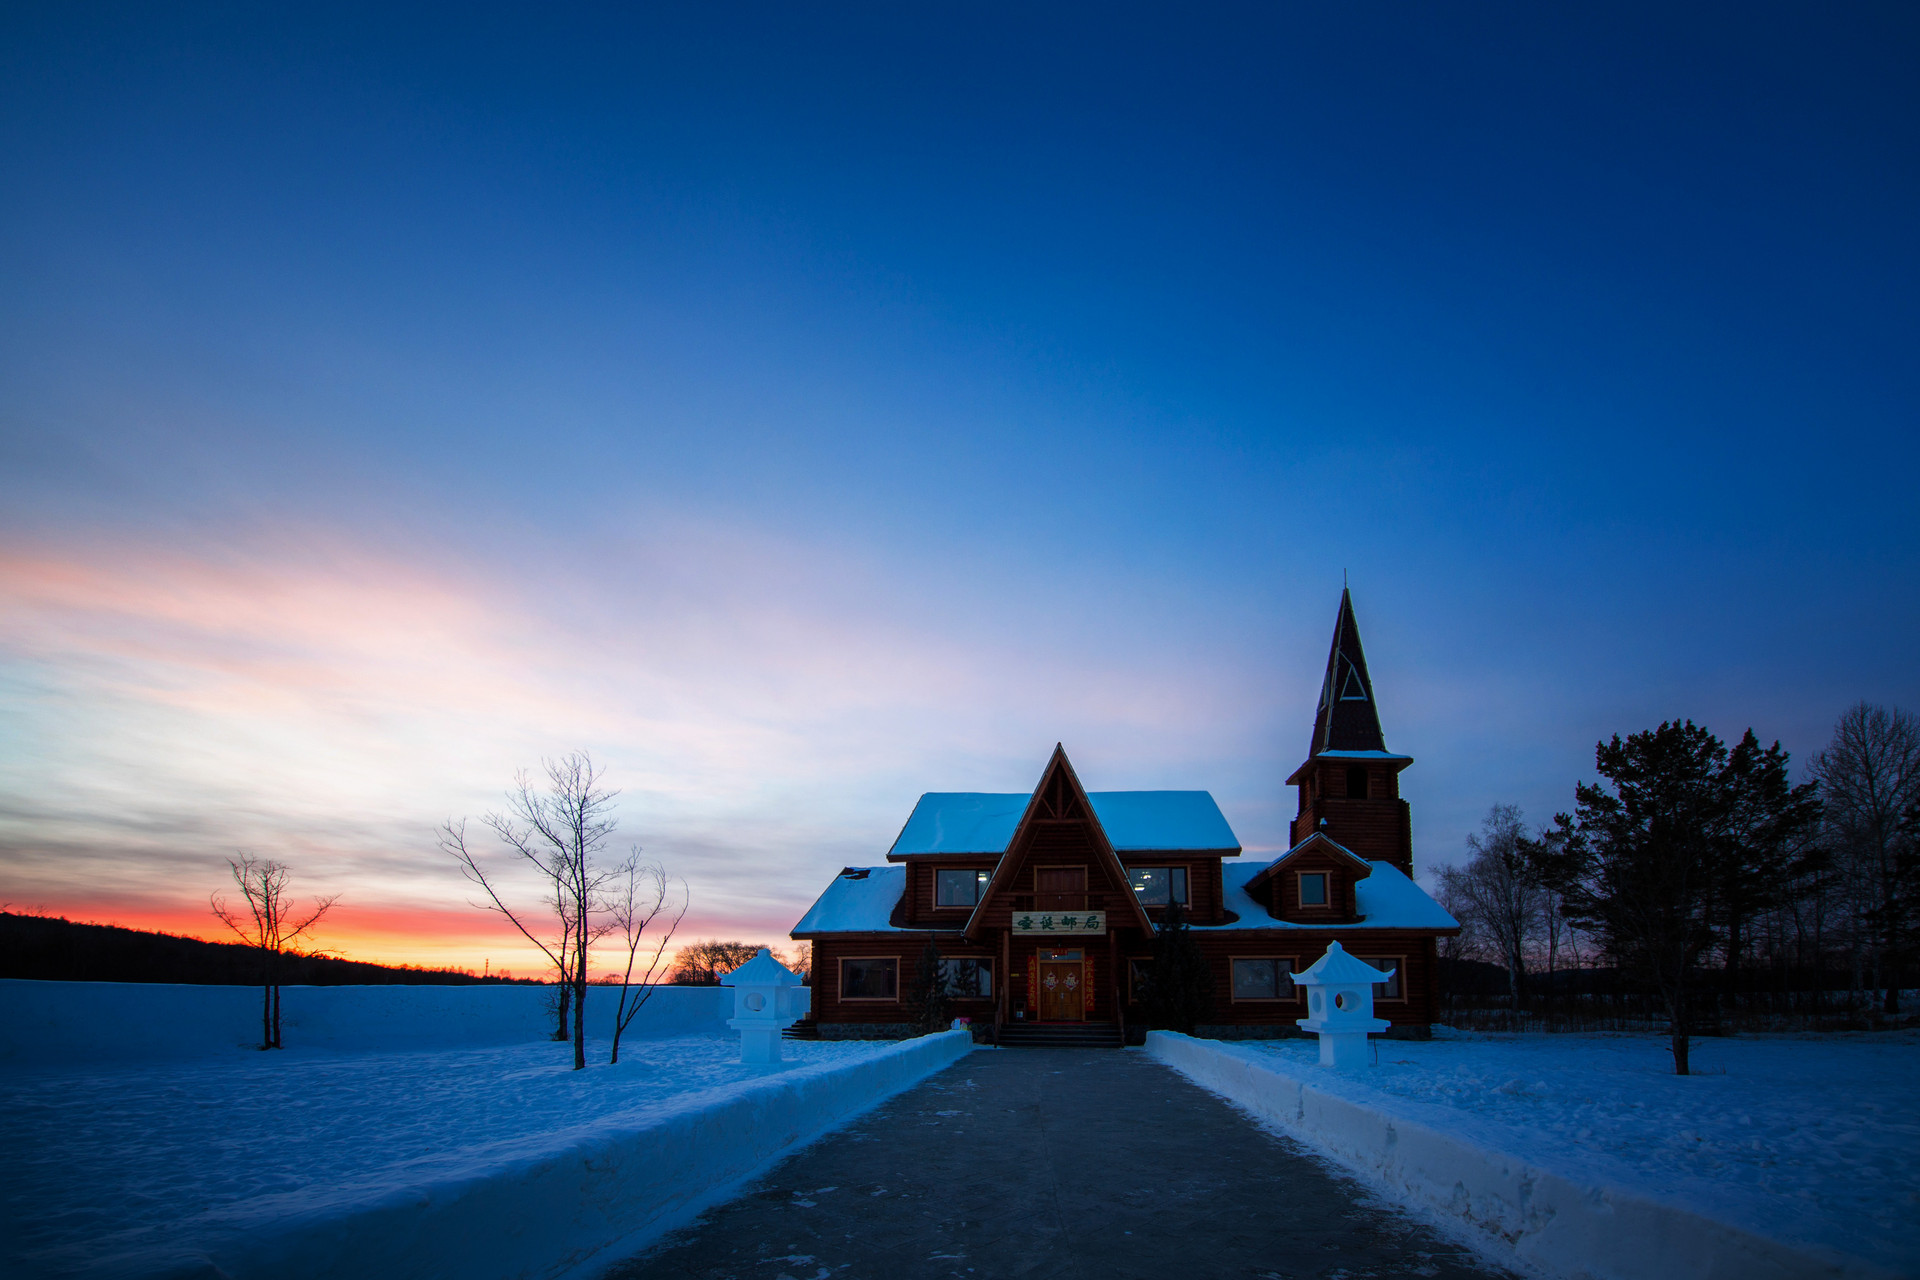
(1062,997)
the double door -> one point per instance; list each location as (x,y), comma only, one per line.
(1063,993)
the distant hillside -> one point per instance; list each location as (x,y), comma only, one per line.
(59,950)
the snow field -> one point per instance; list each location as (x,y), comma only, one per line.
(477,1163)
(1584,1154)
(58,1023)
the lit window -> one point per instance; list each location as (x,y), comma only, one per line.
(1263,979)
(967,979)
(1313,889)
(870,979)
(1157,886)
(959,888)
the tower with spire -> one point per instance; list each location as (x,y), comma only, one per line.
(1350,783)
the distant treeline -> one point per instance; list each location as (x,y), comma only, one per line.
(58,950)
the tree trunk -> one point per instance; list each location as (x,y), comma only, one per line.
(580,1009)
(266,1011)
(566,1006)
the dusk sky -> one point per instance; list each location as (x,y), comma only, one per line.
(802,408)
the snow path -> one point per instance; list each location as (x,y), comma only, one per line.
(162,1157)
(1807,1139)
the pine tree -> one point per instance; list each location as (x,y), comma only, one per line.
(927,998)
(1180,983)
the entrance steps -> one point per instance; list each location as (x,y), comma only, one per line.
(805,1029)
(1060,1035)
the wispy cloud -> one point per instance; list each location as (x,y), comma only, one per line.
(769,708)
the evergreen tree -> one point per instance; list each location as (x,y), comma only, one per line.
(1180,983)
(927,997)
(1649,853)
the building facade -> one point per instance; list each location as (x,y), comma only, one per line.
(1044,904)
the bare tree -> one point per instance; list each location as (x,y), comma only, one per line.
(701,963)
(640,896)
(1498,889)
(1870,779)
(268,925)
(801,962)
(558,832)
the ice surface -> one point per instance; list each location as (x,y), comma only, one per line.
(173,1158)
(1809,1139)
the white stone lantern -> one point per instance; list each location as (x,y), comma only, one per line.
(1340,1006)
(767,999)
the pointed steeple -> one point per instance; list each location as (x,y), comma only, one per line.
(1348,719)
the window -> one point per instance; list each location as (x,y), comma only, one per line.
(1313,888)
(870,979)
(1263,979)
(1157,886)
(959,888)
(967,979)
(1390,989)
(1356,782)
(1139,974)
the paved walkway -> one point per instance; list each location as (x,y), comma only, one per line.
(1039,1163)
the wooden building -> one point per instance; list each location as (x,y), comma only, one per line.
(1044,904)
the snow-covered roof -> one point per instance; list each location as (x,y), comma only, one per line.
(859,903)
(1362,755)
(856,903)
(761,971)
(1336,967)
(1387,899)
(983,822)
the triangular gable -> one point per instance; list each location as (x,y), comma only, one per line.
(1058,775)
(1317,839)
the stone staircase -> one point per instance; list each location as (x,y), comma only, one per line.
(1060,1035)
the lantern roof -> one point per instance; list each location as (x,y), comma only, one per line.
(761,971)
(1338,968)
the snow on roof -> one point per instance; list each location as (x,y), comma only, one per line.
(1337,967)
(761,971)
(1363,755)
(1387,899)
(1162,820)
(856,903)
(983,822)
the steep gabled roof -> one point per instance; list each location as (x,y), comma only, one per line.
(1348,719)
(1315,841)
(1059,769)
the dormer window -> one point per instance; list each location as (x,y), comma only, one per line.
(1313,888)
(1157,886)
(959,888)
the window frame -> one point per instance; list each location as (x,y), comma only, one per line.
(982,877)
(1326,890)
(1293,967)
(840,989)
(1399,978)
(986,962)
(1186,884)
(1134,981)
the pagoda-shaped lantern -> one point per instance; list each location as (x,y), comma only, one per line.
(1340,1006)
(767,999)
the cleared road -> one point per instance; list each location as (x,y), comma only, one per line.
(1053,1163)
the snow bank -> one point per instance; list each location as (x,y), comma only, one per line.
(48,1023)
(477,1163)
(1566,1217)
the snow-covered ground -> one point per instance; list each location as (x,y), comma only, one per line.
(165,1160)
(1807,1139)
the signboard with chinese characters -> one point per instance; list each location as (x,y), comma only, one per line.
(1059,922)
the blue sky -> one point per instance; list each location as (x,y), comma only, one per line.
(803,410)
